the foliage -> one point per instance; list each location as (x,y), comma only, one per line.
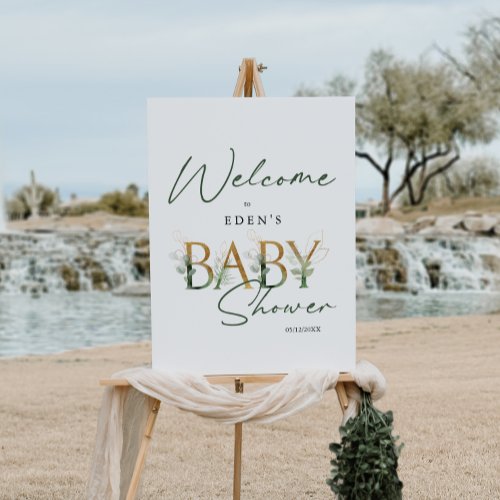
(413,113)
(476,177)
(81,209)
(338,85)
(183,264)
(19,207)
(303,272)
(123,203)
(366,459)
(126,203)
(16,209)
(480,63)
(418,113)
(221,273)
(133,189)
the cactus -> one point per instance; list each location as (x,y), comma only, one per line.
(34,197)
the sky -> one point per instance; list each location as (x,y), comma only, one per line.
(75,76)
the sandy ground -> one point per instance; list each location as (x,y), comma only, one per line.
(443,376)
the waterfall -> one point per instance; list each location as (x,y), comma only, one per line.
(87,260)
(61,262)
(419,264)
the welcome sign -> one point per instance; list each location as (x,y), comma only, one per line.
(252,234)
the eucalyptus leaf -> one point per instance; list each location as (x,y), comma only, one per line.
(366,459)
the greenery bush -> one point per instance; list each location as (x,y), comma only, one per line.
(82,209)
(123,203)
(18,206)
(126,203)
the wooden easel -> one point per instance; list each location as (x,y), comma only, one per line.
(248,79)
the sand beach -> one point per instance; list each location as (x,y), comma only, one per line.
(443,376)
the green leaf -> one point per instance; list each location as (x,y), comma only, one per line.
(364,465)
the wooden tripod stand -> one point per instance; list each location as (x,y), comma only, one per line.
(239,381)
(248,80)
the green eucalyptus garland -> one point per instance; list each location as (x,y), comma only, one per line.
(366,459)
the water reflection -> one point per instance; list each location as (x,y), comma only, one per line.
(393,305)
(54,323)
(61,322)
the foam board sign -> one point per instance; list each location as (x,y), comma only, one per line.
(252,229)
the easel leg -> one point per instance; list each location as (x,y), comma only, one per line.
(238,437)
(342,395)
(238,441)
(141,456)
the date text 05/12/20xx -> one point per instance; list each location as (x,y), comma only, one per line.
(303,329)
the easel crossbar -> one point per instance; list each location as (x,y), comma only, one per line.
(228,379)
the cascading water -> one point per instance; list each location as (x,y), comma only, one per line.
(418,264)
(39,313)
(85,261)
(54,263)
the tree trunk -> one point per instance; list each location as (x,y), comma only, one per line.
(431,175)
(386,199)
(411,192)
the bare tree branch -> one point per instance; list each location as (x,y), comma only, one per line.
(433,174)
(366,156)
(461,68)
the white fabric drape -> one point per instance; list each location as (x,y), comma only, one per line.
(124,411)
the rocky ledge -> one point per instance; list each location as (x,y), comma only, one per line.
(469,223)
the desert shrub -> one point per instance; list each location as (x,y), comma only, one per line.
(82,209)
(19,205)
(123,203)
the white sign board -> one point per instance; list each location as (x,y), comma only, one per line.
(252,229)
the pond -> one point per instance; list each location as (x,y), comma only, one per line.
(64,321)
